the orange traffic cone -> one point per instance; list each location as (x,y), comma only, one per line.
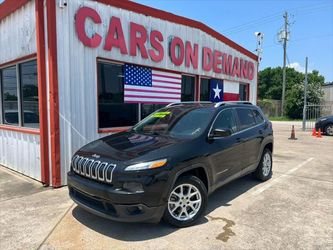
(292,136)
(314,132)
(319,134)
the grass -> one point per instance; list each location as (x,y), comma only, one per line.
(282,118)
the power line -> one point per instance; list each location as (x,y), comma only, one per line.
(301,39)
(308,9)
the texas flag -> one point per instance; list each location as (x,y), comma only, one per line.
(223,90)
(216,90)
(231,91)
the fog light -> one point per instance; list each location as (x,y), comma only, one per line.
(133,187)
(135,210)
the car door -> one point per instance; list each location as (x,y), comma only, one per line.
(250,134)
(226,152)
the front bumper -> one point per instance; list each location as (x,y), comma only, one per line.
(108,202)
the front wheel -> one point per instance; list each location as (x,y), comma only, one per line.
(186,203)
(264,169)
(329,129)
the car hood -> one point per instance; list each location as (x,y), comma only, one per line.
(127,146)
(330,117)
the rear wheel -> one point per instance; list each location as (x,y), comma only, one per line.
(329,129)
(264,169)
(186,203)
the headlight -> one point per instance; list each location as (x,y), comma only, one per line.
(147,165)
(322,119)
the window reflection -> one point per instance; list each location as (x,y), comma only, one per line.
(10,100)
(28,116)
(29,84)
(188,88)
(112,111)
(204,89)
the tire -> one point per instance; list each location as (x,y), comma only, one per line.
(329,129)
(179,201)
(264,169)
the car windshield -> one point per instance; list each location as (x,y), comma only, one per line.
(178,122)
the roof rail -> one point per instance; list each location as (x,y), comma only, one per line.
(218,104)
(193,102)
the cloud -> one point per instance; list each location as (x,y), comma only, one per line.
(298,67)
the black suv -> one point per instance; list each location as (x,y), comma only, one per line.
(168,164)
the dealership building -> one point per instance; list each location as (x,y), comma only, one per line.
(72,71)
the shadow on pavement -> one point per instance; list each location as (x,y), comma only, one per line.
(227,193)
(145,231)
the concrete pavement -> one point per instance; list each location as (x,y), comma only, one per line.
(28,211)
(293,210)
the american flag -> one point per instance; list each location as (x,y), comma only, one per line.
(144,85)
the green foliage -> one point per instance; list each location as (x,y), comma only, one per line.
(270,87)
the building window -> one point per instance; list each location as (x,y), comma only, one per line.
(112,111)
(29,85)
(188,88)
(19,95)
(147,109)
(243,92)
(204,89)
(10,96)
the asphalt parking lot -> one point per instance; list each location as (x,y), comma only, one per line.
(293,210)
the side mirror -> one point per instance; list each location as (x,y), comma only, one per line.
(219,133)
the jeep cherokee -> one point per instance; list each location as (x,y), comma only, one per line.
(168,164)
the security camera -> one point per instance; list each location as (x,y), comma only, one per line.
(62,3)
(257,33)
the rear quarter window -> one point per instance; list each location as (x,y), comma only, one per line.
(258,117)
(246,118)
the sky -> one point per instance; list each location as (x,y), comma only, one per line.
(311,27)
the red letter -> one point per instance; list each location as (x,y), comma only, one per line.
(243,68)
(227,64)
(138,41)
(156,38)
(251,70)
(217,61)
(191,55)
(207,59)
(235,68)
(177,42)
(115,36)
(81,16)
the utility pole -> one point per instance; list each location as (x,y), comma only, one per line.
(285,39)
(305,92)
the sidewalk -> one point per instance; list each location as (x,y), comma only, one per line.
(28,211)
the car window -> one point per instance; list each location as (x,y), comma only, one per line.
(177,122)
(245,117)
(226,120)
(258,117)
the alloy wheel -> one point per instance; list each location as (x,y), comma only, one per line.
(329,129)
(184,202)
(266,164)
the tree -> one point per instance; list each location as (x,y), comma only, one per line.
(270,87)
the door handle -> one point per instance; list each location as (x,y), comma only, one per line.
(260,131)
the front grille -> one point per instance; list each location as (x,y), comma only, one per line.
(93,169)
